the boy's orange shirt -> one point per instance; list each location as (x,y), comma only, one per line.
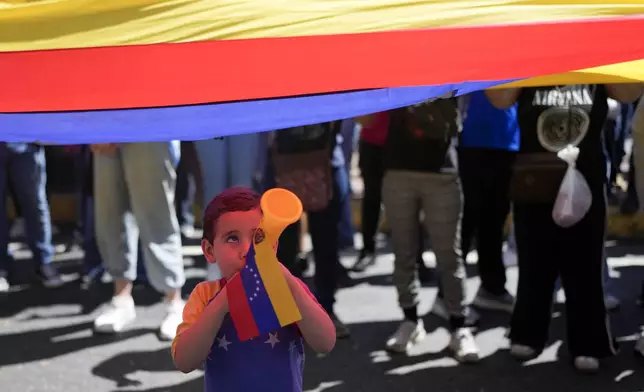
(201,295)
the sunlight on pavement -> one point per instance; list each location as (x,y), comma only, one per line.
(324,386)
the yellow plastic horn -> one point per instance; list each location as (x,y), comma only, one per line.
(280,207)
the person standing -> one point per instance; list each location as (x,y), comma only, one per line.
(24,167)
(488,145)
(551,118)
(421,176)
(134,187)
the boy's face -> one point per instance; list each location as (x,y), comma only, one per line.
(234,232)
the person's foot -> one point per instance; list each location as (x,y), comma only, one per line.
(472,317)
(523,352)
(464,346)
(406,336)
(365,260)
(424,273)
(4,285)
(639,347)
(173,317)
(93,275)
(489,301)
(509,258)
(50,277)
(586,364)
(341,330)
(118,314)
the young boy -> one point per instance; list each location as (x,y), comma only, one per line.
(273,362)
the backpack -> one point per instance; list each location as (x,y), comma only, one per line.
(302,160)
(434,120)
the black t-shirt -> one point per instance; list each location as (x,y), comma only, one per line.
(552,117)
(421,137)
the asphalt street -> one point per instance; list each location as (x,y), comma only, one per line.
(46,342)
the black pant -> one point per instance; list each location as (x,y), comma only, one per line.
(547,251)
(289,248)
(186,188)
(372,169)
(485,178)
(323,227)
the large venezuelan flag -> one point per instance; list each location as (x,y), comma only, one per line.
(75,71)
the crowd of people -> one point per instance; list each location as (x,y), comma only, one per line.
(448,173)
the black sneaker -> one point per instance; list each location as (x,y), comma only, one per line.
(341,330)
(424,273)
(50,277)
(365,260)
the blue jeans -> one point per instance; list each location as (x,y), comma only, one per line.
(323,227)
(24,165)
(226,162)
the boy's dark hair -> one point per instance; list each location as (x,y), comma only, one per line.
(232,199)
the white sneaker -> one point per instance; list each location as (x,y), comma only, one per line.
(522,352)
(510,258)
(587,364)
(464,346)
(407,335)
(4,285)
(119,313)
(173,318)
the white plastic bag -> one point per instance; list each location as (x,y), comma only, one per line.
(574,197)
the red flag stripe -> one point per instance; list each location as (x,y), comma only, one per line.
(240,311)
(218,71)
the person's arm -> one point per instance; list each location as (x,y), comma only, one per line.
(316,326)
(625,92)
(503,98)
(201,323)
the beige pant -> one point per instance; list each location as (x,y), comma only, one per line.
(405,195)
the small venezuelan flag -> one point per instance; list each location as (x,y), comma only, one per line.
(259,298)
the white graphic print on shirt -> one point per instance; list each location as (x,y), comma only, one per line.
(566,118)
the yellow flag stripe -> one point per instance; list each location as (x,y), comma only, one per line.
(58,24)
(629,72)
(276,286)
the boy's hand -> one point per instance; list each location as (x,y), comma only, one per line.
(287,274)
(220,303)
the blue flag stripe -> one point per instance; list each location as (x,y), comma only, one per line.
(206,121)
(260,303)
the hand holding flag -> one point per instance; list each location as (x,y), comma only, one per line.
(259,297)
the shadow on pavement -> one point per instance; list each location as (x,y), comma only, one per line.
(120,366)
(30,346)
(359,364)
